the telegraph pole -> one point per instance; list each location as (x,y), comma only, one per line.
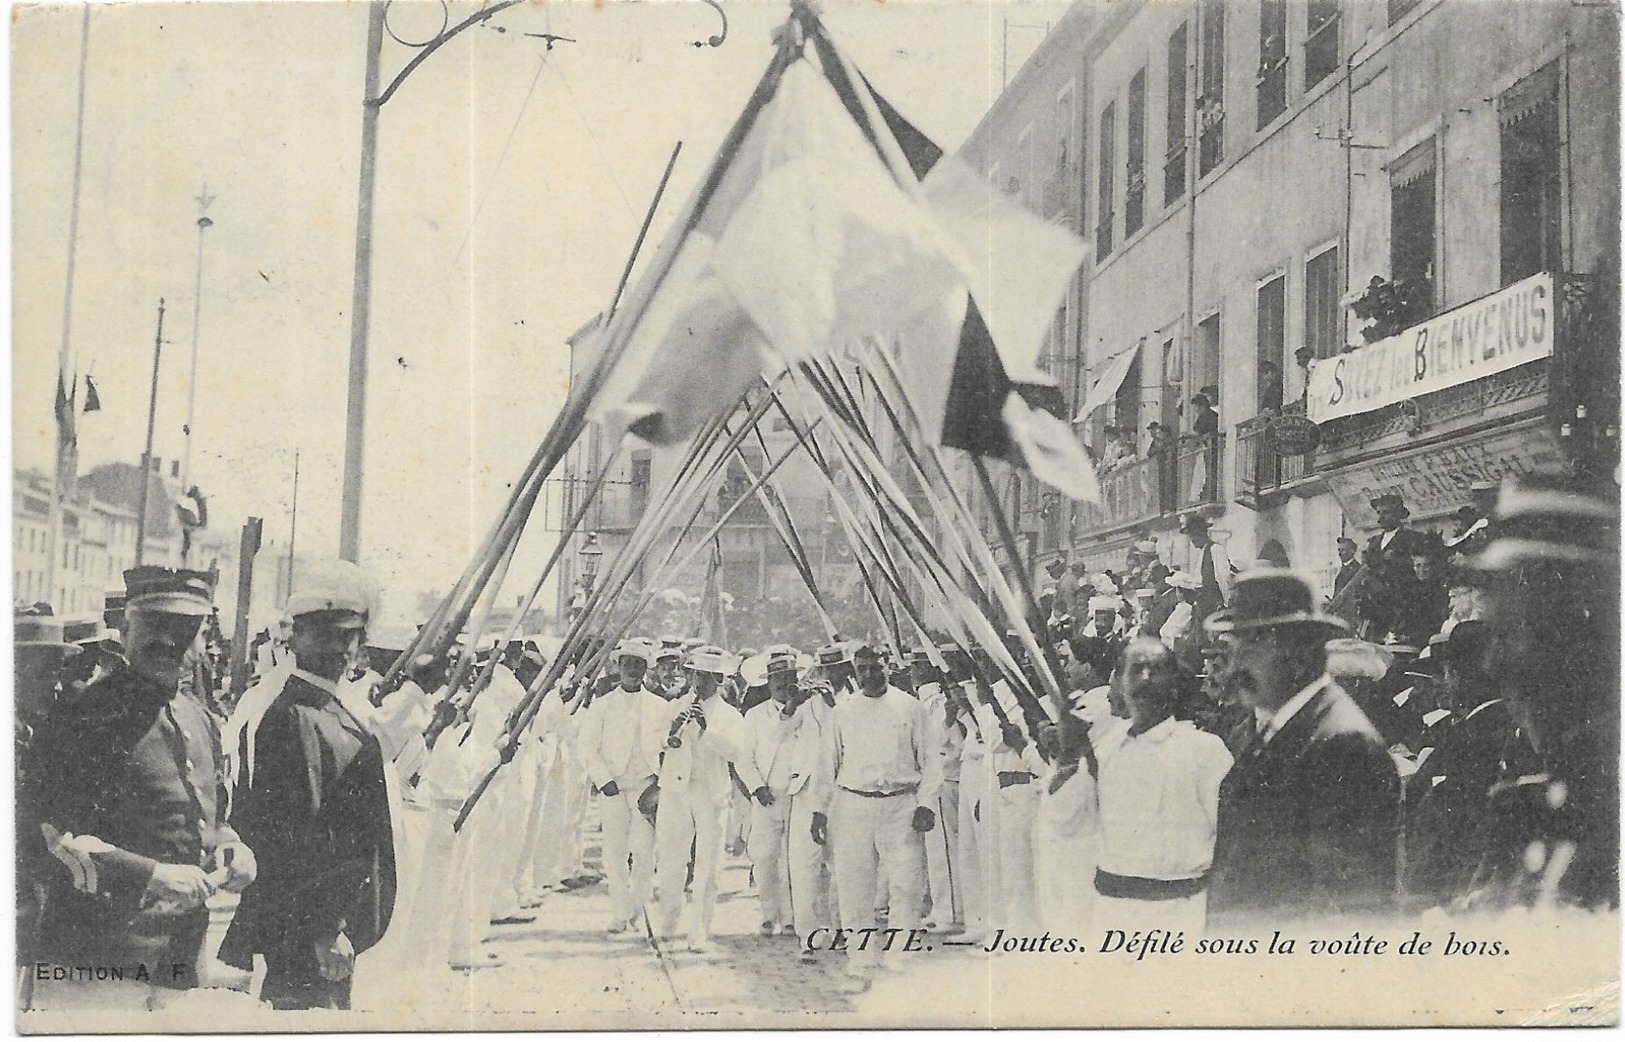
(146,455)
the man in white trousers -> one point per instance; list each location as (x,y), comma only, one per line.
(813,896)
(946,905)
(704,737)
(878,788)
(767,764)
(620,740)
(1012,781)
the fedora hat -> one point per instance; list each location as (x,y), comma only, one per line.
(1267,597)
(1194,523)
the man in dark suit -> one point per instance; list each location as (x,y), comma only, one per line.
(1309,816)
(1391,579)
(123,813)
(311,800)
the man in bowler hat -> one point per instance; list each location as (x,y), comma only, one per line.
(1309,816)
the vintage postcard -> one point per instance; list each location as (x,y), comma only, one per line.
(759,514)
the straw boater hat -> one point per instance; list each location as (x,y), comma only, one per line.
(1270,597)
(834,655)
(1546,520)
(636,647)
(709,658)
(1183,580)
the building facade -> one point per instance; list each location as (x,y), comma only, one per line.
(1282,196)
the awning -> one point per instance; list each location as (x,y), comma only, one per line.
(1105,388)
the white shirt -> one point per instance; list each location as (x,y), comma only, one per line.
(621,735)
(766,746)
(701,762)
(881,745)
(1290,708)
(1179,621)
(1159,802)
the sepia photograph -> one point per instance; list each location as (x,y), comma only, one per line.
(815,514)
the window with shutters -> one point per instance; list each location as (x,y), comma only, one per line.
(1322,290)
(1320,46)
(1134,172)
(1210,89)
(1173,165)
(1272,56)
(1108,188)
(1412,230)
(1531,178)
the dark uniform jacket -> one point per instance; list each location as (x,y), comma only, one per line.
(125,776)
(316,814)
(1309,820)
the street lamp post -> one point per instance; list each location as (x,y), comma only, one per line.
(372,101)
(592,555)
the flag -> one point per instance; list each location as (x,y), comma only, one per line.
(713,626)
(67,436)
(832,225)
(93,401)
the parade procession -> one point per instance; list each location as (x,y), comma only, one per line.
(924,563)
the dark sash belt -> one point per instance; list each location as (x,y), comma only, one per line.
(1136,888)
(1009,778)
(881,795)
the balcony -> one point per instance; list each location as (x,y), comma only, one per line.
(1264,477)
(1145,490)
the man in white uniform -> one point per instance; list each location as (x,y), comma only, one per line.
(621,736)
(1012,779)
(946,905)
(705,736)
(1159,803)
(879,787)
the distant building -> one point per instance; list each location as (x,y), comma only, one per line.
(758,573)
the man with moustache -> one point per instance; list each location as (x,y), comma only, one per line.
(312,799)
(1309,816)
(125,812)
(1158,799)
(878,786)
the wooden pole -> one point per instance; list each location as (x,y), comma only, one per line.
(245,588)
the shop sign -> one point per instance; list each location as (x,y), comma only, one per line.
(1491,335)
(1292,435)
(1436,481)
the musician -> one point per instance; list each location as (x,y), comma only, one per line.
(704,738)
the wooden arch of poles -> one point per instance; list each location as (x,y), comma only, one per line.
(844,413)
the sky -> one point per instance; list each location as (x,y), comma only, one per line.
(511,182)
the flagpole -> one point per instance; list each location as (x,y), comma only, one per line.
(64,354)
(203,225)
(146,455)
